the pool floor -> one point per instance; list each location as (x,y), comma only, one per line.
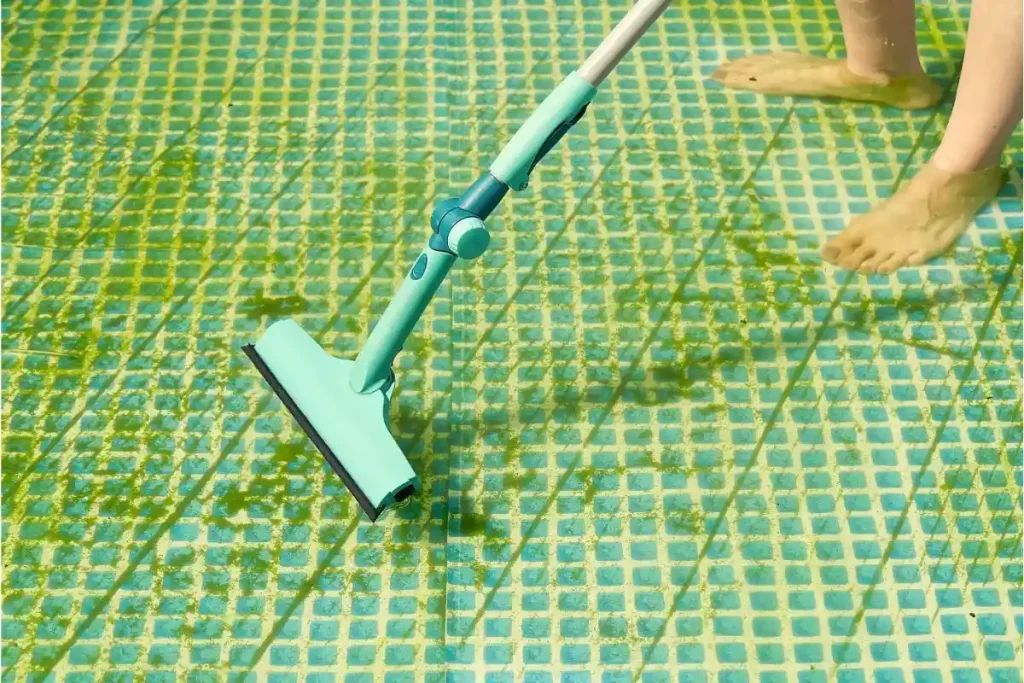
(660,440)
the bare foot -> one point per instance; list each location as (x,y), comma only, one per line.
(919,222)
(788,73)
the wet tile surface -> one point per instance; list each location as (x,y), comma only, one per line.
(659,439)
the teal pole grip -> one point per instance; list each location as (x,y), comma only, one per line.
(542,130)
(372,369)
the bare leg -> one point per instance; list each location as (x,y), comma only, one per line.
(928,214)
(989,97)
(881,64)
(880,37)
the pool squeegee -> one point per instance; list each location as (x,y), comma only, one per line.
(343,405)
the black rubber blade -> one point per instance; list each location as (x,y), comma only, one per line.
(314,436)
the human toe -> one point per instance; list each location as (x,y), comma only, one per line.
(893,263)
(841,246)
(874,263)
(831,251)
(852,259)
(918,257)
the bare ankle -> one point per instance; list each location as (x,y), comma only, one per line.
(884,74)
(957,161)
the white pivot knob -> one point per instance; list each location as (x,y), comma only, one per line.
(468,238)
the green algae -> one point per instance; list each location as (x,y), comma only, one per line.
(407,422)
(417,346)
(687,379)
(588,476)
(479,574)
(646,460)
(765,259)
(513,450)
(259,306)
(474,523)
(519,481)
(267,490)
(709,303)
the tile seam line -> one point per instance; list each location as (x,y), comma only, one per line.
(477,471)
(16,484)
(333,319)
(8,27)
(178,141)
(626,378)
(561,33)
(10,110)
(773,417)
(504,308)
(193,494)
(445,524)
(92,79)
(22,298)
(960,559)
(304,590)
(848,278)
(933,447)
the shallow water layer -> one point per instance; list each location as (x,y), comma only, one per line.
(659,437)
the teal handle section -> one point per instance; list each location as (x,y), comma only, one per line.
(524,150)
(372,368)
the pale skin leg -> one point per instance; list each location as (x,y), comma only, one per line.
(989,97)
(927,215)
(881,63)
(935,207)
(880,37)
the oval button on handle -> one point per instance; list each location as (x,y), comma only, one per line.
(419,267)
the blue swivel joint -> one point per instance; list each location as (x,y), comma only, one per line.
(458,224)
